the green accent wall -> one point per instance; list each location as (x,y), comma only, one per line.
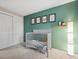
(59,34)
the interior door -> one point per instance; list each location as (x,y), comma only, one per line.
(5,30)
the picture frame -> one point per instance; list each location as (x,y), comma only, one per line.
(33,21)
(38,20)
(52,17)
(44,19)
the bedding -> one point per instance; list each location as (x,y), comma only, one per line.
(39,45)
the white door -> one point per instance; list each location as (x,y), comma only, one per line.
(5,30)
(17,29)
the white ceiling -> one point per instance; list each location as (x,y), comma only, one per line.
(26,7)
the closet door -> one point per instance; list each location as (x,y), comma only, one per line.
(5,30)
(10,31)
(17,29)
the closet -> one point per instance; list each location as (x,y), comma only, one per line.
(9,30)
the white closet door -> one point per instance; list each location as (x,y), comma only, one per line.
(10,31)
(17,29)
(5,30)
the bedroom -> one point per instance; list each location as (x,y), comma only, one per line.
(21,18)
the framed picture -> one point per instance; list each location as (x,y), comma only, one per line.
(44,19)
(52,17)
(38,20)
(33,21)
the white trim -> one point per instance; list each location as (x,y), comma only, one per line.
(4,11)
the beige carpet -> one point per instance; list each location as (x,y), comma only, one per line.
(58,54)
(19,52)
